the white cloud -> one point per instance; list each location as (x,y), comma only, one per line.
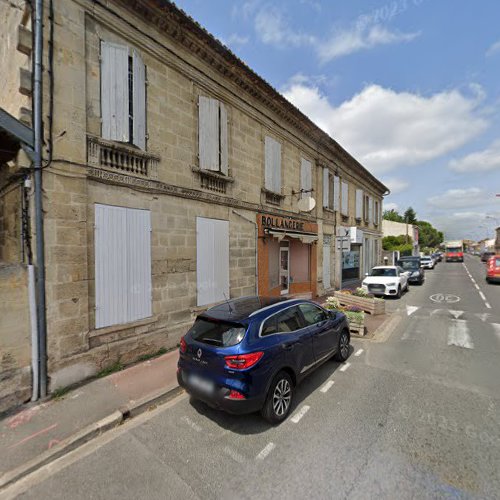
(390,206)
(396,185)
(494,49)
(460,198)
(385,129)
(273,29)
(235,39)
(465,224)
(360,37)
(479,161)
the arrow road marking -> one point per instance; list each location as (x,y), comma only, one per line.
(456,314)
(483,316)
(411,309)
(458,334)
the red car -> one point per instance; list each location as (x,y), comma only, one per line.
(493,269)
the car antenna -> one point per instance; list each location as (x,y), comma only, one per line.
(228,303)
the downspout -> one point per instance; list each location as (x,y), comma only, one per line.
(256,249)
(38,144)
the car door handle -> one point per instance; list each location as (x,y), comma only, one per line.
(288,346)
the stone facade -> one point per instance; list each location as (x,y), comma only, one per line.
(182,63)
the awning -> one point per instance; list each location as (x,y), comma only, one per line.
(306,238)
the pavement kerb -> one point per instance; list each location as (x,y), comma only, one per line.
(88,433)
(384,331)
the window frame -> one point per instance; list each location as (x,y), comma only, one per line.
(316,307)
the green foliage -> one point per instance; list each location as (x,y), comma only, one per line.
(115,367)
(410,216)
(392,215)
(429,236)
(60,393)
(391,243)
(145,357)
(355,317)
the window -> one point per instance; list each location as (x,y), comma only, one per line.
(312,314)
(370,209)
(331,190)
(284,322)
(217,333)
(344,209)
(305,178)
(212,135)
(123,95)
(383,272)
(212,260)
(376,213)
(326,188)
(272,165)
(336,193)
(359,203)
(122,265)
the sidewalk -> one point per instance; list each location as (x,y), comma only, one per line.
(39,433)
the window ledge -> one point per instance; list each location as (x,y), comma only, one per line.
(122,326)
(212,180)
(329,210)
(272,197)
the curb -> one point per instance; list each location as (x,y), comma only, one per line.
(384,331)
(88,433)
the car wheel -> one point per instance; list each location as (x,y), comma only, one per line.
(344,346)
(398,296)
(279,399)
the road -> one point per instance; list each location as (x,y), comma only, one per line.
(413,414)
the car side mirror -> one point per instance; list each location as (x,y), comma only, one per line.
(333,314)
(367,274)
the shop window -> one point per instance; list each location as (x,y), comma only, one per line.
(274,262)
(300,262)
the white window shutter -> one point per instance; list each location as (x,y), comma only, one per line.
(336,193)
(370,209)
(212,260)
(359,203)
(224,156)
(272,161)
(208,137)
(345,199)
(306,177)
(277,166)
(139,101)
(268,164)
(326,176)
(114,92)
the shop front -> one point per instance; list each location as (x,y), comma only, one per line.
(287,252)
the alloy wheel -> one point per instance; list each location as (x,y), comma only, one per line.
(344,345)
(281,397)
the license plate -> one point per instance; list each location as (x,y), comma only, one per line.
(201,384)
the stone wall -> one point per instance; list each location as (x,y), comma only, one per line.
(15,335)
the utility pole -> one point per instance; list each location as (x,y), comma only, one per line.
(38,145)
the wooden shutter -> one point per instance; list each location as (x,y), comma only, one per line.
(122,265)
(139,101)
(306,177)
(345,199)
(272,160)
(359,203)
(224,162)
(208,137)
(277,166)
(114,92)
(212,260)
(370,209)
(336,193)
(326,177)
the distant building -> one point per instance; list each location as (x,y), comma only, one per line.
(391,228)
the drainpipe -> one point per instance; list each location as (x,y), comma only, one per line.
(38,144)
(256,249)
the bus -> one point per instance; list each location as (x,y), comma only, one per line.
(454,251)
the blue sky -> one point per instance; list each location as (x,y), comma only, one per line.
(410,87)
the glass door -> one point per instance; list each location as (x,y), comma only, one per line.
(284,269)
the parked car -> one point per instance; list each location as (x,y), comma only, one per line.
(387,281)
(493,269)
(413,266)
(427,262)
(437,256)
(485,256)
(249,354)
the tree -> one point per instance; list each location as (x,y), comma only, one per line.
(410,216)
(428,236)
(392,215)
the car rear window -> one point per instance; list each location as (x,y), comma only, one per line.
(410,265)
(453,249)
(497,262)
(217,333)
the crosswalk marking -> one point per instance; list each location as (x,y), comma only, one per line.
(458,334)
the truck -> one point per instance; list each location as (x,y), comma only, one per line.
(454,251)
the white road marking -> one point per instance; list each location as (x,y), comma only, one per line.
(359,352)
(435,311)
(456,314)
(448,298)
(477,286)
(481,294)
(327,386)
(298,416)
(234,455)
(265,452)
(345,367)
(458,334)
(411,309)
(483,316)
(496,327)
(191,424)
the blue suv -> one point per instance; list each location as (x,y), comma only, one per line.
(249,354)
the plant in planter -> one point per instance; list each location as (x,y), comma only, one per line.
(362,299)
(355,315)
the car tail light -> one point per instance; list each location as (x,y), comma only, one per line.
(235,395)
(243,361)
(183,345)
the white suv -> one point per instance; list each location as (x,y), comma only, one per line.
(386,280)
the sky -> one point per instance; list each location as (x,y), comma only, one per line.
(411,88)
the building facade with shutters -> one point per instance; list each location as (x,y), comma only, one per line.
(175,181)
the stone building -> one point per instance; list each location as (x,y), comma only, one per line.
(173,182)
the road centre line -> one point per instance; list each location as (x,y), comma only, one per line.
(327,386)
(345,367)
(265,452)
(481,294)
(359,352)
(298,416)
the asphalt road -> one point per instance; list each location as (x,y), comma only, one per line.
(414,413)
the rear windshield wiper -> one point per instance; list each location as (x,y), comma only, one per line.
(210,341)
